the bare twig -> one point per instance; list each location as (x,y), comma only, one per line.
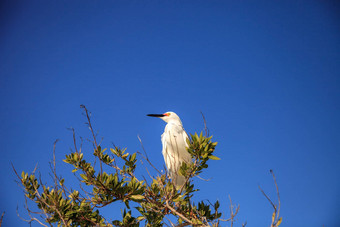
(87,114)
(29,212)
(273,205)
(54,175)
(206,130)
(2,216)
(146,155)
(74,139)
(93,134)
(203,178)
(54,165)
(276,220)
(278,196)
(183,224)
(232,213)
(15,171)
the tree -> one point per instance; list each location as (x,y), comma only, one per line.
(156,201)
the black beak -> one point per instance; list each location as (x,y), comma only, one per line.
(156,115)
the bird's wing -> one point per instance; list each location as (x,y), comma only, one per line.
(166,151)
(164,143)
(185,137)
(186,156)
(181,143)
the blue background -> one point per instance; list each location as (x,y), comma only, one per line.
(264,73)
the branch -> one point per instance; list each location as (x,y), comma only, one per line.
(177,213)
(2,216)
(54,165)
(146,155)
(41,200)
(206,130)
(278,195)
(268,198)
(232,214)
(276,219)
(92,131)
(188,222)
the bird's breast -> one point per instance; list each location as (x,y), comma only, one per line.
(174,137)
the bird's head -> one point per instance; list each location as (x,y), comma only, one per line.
(168,117)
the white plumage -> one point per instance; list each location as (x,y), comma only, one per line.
(174,141)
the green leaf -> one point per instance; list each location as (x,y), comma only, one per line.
(83,176)
(212,157)
(217,205)
(279,221)
(137,197)
(178,198)
(140,218)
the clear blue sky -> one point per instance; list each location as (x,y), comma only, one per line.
(264,73)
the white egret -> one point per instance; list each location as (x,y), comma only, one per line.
(174,140)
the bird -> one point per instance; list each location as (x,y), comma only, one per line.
(174,142)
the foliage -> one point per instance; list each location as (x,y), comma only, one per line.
(156,204)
